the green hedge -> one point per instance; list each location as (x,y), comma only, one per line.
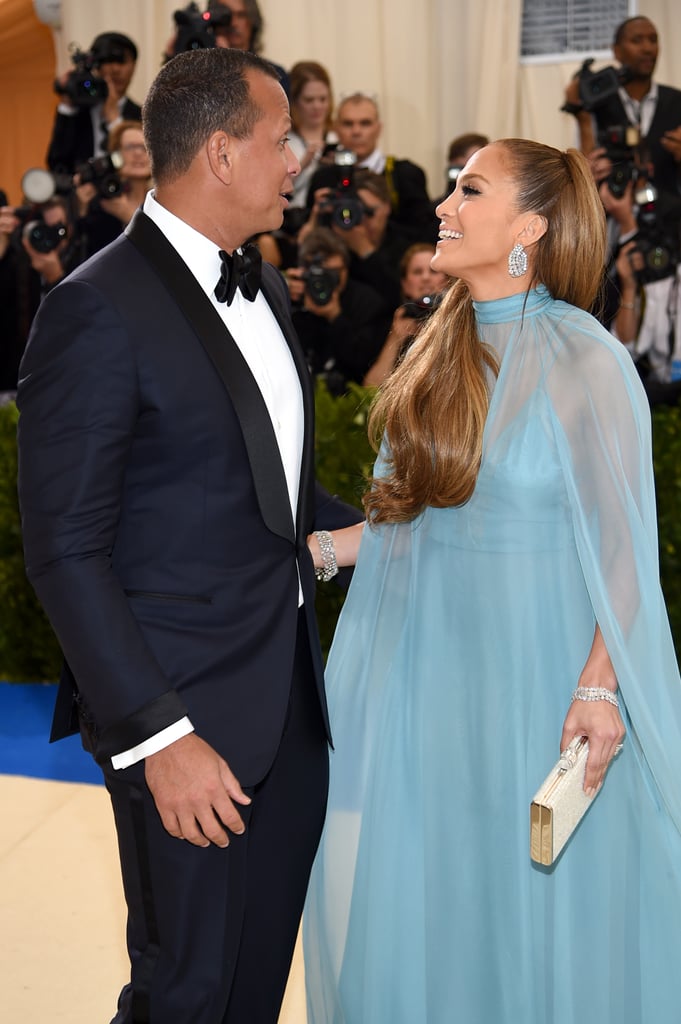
(28,648)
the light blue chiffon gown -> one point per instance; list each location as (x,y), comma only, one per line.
(461,640)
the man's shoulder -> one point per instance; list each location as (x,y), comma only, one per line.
(112,258)
(131,111)
(668,94)
(404,167)
(117,273)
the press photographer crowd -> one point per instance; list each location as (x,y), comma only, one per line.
(357,237)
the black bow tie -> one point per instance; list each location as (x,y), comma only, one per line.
(240,270)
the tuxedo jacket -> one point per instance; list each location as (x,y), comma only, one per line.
(667,176)
(157,525)
(72,141)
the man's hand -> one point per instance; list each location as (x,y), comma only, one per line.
(115,93)
(48,264)
(120,206)
(600,164)
(671,141)
(194,792)
(357,239)
(296,284)
(330,311)
(8,222)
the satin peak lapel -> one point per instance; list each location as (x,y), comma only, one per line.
(261,444)
(277,303)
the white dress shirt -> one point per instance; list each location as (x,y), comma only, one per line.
(262,344)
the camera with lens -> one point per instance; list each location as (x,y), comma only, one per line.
(84,87)
(420,309)
(320,282)
(620,143)
(44,237)
(38,187)
(196,29)
(40,236)
(342,207)
(657,245)
(102,172)
(453,172)
(596,87)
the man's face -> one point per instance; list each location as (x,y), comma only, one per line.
(639,48)
(117,74)
(358,127)
(240,32)
(376,217)
(263,165)
(337,263)
(136,163)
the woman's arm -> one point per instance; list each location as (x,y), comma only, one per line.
(597,719)
(346,543)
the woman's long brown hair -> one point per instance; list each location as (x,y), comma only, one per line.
(432,409)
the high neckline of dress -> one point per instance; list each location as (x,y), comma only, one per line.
(513,307)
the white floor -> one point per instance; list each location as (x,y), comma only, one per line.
(62,920)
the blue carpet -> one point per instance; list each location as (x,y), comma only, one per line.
(25,718)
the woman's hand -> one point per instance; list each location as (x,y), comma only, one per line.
(598,720)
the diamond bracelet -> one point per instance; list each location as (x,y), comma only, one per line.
(595,693)
(329,566)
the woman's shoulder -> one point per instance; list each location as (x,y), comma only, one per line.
(589,364)
(584,343)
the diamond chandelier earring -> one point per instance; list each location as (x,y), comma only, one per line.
(517,261)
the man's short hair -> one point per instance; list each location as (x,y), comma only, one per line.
(623,25)
(197,93)
(359,97)
(253,14)
(372,182)
(321,243)
(459,146)
(112,46)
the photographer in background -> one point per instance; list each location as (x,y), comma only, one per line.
(460,150)
(357,209)
(421,289)
(49,243)
(111,188)
(340,322)
(358,127)
(36,252)
(235,24)
(641,305)
(93,99)
(630,115)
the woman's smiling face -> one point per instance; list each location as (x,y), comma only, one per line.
(480,224)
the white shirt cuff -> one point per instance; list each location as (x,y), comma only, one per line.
(155,743)
(66,110)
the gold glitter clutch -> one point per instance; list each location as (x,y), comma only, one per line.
(559,804)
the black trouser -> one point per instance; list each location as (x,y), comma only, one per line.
(211,932)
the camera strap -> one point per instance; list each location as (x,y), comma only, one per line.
(389,173)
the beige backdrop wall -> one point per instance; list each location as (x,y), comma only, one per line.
(439,67)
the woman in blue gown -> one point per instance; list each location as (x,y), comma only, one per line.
(510,559)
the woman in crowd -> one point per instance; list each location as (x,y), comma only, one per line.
(420,287)
(106,206)
(505,600)
(311,101)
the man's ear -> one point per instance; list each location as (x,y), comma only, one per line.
(220,155)
(535,227)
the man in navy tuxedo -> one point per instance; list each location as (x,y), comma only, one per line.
(167,493)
